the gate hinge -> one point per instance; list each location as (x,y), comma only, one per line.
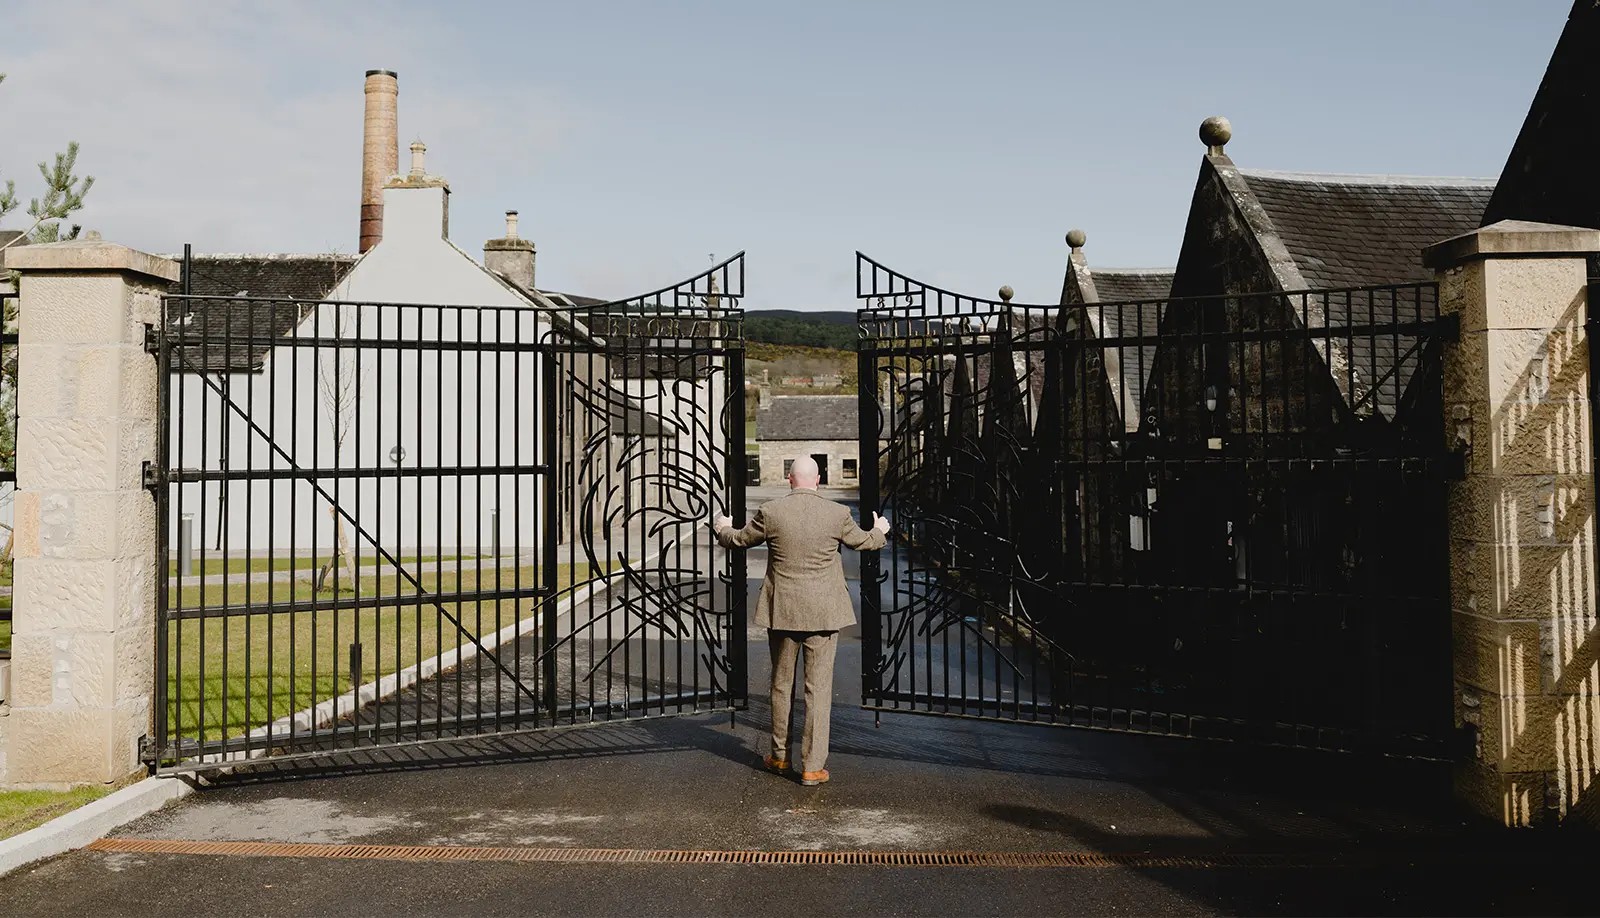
(1463,743)
(152,476)
(147,751)
(1449,326)
(152,341)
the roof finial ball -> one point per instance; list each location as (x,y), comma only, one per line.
(1006,293)
(1076,238)
(1215,132)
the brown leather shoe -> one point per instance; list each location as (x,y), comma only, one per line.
(776,766)
(813,778)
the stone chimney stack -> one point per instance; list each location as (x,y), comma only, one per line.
(380,151)
(511,257)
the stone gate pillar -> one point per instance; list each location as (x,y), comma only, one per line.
(1522,537)
(83,664)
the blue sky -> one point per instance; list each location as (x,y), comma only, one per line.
(954,141)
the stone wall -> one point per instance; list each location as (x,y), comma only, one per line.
(774,452)
(83,637)
(1526,646)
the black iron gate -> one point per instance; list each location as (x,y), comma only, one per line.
(386,523)
(1218,517)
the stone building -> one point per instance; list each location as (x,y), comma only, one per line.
(823,427)
(1261,355)
(1104,390)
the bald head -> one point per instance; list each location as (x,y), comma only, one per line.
(803,473)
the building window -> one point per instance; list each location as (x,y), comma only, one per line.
(849,469)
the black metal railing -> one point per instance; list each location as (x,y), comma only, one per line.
(1216,516)
(389,523)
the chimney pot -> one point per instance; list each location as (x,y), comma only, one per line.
(511,224)
(418,151)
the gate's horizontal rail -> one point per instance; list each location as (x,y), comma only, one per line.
(226,753)
(371,600)
(1354,600)
(220,343)
(180,476)
(1342,464)
(1024,339)
(1178,726)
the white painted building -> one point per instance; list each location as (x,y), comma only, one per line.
(379,414)
(343,370)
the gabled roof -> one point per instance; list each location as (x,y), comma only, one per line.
(1120,303)
(809,417)
(1119,285)
(1363,230)
(1550,175)
(267,288)
(1322,231)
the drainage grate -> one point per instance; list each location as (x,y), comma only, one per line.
(655,856)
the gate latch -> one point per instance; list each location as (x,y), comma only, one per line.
(151,476)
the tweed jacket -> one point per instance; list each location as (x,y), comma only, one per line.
(804,588)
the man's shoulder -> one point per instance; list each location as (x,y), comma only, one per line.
(802,501)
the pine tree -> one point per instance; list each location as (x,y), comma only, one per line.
(63,196)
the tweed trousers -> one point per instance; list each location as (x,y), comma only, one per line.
(821,648)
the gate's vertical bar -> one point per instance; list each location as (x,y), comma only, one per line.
(867,472)
(738,589)
(163,498)
(552,528)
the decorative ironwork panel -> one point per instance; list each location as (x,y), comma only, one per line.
(387,523)
(1212,516)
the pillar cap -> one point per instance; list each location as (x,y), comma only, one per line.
(1512,239)
(87,255)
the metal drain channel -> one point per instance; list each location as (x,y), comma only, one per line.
(656,856)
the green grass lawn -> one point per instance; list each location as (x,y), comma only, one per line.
(5,631)
(27,809)
(257,565)
(289,661)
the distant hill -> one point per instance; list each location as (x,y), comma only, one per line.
(825,317)
(833,329)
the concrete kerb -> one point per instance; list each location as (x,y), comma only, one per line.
(92,821)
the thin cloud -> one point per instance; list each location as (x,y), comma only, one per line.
(238,127)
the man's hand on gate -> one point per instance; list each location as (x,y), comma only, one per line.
(720,523)
(880,524)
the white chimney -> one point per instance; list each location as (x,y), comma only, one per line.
(417,203)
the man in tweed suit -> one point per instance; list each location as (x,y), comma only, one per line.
(803,603)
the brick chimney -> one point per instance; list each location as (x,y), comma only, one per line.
(511,257)
(380,151)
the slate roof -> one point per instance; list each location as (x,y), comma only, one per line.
(1363,230)
(1115,285)
(809,417)
(263,287)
